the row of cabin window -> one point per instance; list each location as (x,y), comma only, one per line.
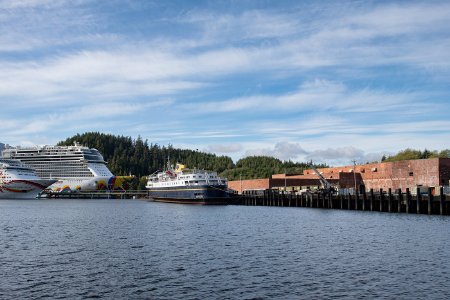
(194,176)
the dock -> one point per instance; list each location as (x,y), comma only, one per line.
(106,194)
(374,201)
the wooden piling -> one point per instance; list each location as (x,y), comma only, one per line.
(348,201)
(364,200)
(389,200)
(408,201)
(430,201)
(381,200)
(371,199)
(418,200)
(330,201)
(400,200)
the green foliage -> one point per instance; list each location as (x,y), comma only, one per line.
(408,154)
(126,156)
(253,167)
(142,183)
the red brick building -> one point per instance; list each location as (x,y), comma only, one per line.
(410,174)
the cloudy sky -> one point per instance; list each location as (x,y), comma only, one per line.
(330,81)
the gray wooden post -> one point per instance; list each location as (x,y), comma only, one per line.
(381,199)
(371,199)
(364,200)
(389,200)
(408,199)
(430,201)
(418,200)
(400,200)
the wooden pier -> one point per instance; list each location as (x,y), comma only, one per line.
(132,194)
(380,201)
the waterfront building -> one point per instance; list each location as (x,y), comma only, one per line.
(423,173)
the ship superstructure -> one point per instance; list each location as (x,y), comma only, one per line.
(76,168)
(20,181)
(183,185)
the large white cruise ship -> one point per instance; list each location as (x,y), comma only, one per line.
(76,168)
(18,181)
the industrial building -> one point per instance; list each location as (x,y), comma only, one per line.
(423,173)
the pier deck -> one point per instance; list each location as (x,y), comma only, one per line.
(380,201)
(132,194)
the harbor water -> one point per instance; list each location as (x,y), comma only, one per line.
(134,249)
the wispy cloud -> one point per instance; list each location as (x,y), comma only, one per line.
(224,148)
(238,78)
(320,95)
(281,150)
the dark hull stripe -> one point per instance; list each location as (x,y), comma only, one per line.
(222,201)
(190,195)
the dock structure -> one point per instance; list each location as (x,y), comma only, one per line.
(379,201)
(129,194)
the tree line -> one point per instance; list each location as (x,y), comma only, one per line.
(408,154)
(127,156)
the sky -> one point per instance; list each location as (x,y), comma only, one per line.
(328,81)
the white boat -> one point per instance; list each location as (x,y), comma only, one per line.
(20,182)
(74,168)
(181,185)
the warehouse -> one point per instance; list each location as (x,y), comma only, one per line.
(423,173)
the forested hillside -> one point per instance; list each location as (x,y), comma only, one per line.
(264,167)
(137,157)
(417,154)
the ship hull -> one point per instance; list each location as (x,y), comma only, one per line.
(23,189)
(201,194)
(91,184)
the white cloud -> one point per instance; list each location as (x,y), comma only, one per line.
(281,150)
(87,74)
(14,4)
(319,95)
(144,67)
(224,148)
(336,153)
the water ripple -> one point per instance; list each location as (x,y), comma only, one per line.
(88,249)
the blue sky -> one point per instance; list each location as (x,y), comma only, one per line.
(322,80)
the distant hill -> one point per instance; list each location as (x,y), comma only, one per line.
(408,154)
(263,167)
(137,157)
(127,156)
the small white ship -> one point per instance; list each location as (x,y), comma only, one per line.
(20,182)
(181,185)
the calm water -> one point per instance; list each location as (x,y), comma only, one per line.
(138,249)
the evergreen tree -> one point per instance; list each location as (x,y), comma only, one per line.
(126,156)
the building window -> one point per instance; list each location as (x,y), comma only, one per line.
(411,173)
